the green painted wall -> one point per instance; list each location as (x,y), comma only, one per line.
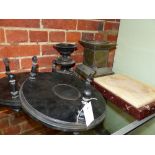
(135,54)
(135,57)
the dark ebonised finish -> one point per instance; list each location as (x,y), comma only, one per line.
(64,61)
(5,90)
(55,99)
(34,68)
(7,65)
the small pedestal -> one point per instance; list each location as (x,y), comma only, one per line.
(64,61)
(95,58)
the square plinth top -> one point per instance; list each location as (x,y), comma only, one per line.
(97,45)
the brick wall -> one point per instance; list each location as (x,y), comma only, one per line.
(20,39)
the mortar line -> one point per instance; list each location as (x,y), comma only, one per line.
(45,29)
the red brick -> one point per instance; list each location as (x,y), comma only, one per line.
(14,65)
(57,36)
(16,36)
(13,130)
(42,62)
(2,67)
(67,24)
(78,58)
(26,63)
(48,50)
(38,36)
(4,123)
(73,36)
(90,25)
(20,50)
(112,38)
(20,23)
(99,36)
(2,39)
(80,49)
(46,61)
(111,26)
(87,36)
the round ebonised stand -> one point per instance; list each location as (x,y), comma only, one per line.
(54,99)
